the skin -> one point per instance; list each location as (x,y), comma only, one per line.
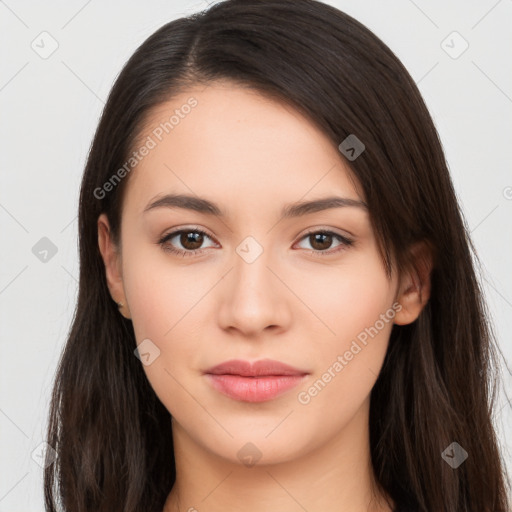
(252,155)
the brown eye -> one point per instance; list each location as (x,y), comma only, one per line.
(190,241)
(321,241)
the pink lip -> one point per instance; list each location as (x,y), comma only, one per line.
(254,382)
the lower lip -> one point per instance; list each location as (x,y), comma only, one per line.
(254,389)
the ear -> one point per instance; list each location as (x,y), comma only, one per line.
(113,268)
(414,290)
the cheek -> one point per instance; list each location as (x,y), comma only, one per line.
(346,299)
(166,309)
(346,370)
(355,307)
(160,295)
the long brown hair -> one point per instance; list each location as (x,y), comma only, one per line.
(437,385)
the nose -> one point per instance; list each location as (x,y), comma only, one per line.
(254,298)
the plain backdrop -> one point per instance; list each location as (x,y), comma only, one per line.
(50,106)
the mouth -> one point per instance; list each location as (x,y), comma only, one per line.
(254,382)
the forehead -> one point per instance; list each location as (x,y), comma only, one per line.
(237,146)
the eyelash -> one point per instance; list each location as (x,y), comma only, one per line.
(345,242)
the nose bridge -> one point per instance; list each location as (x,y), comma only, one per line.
(251,274)
(253,300)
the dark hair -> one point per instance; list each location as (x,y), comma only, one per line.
(437,385)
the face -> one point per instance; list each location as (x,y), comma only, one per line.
(246,283)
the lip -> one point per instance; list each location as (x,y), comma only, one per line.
(254,382)
(263,367)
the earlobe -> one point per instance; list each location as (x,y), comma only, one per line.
(415,288)
(112,261)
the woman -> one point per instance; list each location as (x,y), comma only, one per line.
(277,308)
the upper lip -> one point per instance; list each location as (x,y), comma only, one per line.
(254,369)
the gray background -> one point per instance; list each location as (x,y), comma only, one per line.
(50,108)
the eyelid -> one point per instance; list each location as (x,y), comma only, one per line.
(177,229)
(315,229)
(346,241)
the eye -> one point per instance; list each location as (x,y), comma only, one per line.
(322,239)
(189,238)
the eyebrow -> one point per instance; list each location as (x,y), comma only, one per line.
(298,209)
